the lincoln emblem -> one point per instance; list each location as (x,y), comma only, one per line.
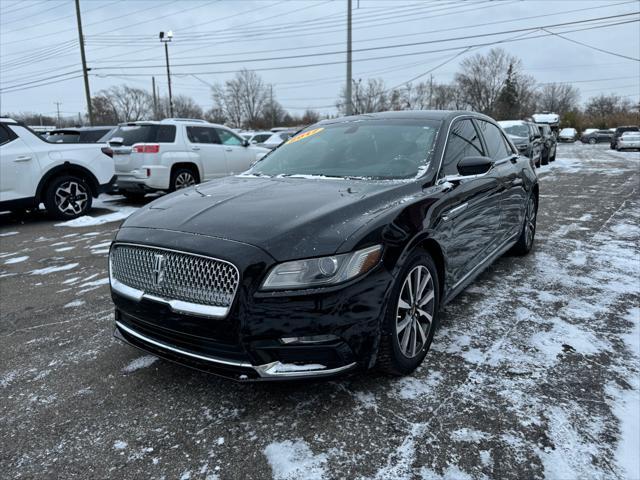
(158,269)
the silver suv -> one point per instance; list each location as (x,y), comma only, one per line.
(176,153)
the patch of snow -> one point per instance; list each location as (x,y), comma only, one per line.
(100,245)
(13,260)
(138,363)
(8,234)
(292,460)
(71,280)
(468,435)
(89,221)
(292,367)
(7,378)
(451,473)
(96,283)
(412,388)
(186,475)
(47,270)
(75,303)
(64,249)
(120,445)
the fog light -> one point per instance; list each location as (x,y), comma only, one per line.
(310,339)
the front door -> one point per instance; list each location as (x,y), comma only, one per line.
(472,212)
(239,156)
(19,167)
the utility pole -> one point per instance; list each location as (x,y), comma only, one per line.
(273,110)
(166,41)
(155,98)
(85,70)
(349,109)
(430,91)
(58,110)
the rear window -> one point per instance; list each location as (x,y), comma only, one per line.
(626,129)
(93,135)
(518,130)
(131,134)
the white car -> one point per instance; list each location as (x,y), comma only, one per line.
(65,177)
(568,135)
(277,138)
(628,141)
(256,138)
(176,153)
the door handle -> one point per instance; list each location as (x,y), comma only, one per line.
(454,211)
(22,158)
(228,149)
(195,148)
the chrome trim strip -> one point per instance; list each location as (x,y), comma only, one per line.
(178,306)
(500,247)
(146,339)
(454,211)
(268,370)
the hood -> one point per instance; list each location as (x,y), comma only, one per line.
(287,217)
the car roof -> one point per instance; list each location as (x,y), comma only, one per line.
(175,121)
(79,129)
(442,115)
(7,120)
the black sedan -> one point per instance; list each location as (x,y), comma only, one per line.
(336,251)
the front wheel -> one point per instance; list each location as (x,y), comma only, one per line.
(68,197)
(412,316)
(528,233)
(592,141)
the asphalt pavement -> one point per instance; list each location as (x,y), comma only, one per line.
(533,374)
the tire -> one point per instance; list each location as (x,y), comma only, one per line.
(182,178)
(527,235)
(545,159)
(592,141)
(401,352)
(133,196)
(67,197)
(553,159)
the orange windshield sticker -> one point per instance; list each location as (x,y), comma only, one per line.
(304,135)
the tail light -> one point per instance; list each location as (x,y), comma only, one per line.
(107,151)
(146,148)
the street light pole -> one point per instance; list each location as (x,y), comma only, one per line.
(349,106)
(166,41)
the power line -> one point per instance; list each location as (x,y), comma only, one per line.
(592,47)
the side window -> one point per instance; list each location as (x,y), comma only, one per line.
(261,138)
(463,142)
(493,138)
(228,138)
(166,134)
(202,135)
(5,136)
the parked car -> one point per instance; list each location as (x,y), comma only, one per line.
(568,135)
(65,177)
(176,153)
(618,133)
(587,131)
(334,252)
(256,138)
(549,144)
(78,134)
(628,141)
(277,138)
(548,118)
(599,136)
(526,137)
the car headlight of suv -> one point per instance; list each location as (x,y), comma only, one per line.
(322,271)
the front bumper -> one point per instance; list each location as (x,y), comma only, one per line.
(252,342)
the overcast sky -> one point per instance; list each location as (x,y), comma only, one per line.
(39,45)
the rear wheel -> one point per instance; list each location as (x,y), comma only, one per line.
(412,316)
(525,241)
(182,178)
(68,197)
(592,141)
(545,158)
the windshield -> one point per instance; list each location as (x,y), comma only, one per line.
(518,130)
(377,149)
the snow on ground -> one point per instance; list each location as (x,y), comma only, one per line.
(90,221)
(292,460)
(54,269)
(138,363)
(13,260)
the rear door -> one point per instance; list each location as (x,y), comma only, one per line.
(205,143)
(472,216)
(239,157)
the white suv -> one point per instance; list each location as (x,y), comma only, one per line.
(176,153)
(64,176)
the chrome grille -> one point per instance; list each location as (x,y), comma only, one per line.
(185,277)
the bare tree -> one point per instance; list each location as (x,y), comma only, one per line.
(483,77)
(122,104)
(183,107)
(242,99)
(558,98)
(366,97)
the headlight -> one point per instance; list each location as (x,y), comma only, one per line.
(315,272)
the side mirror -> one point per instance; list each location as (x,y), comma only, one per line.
(245,143)
(474,165)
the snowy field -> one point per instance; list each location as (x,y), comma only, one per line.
(534,373)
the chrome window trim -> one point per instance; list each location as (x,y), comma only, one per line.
(446,140)
(178,306)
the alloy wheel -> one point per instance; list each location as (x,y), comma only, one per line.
(71,197)
(414,315)
(184,180)
(530,221)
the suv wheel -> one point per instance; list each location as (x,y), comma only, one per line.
(182,178)
(592,141)
(68,197)
(412,316)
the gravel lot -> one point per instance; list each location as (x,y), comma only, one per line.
(534,372)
